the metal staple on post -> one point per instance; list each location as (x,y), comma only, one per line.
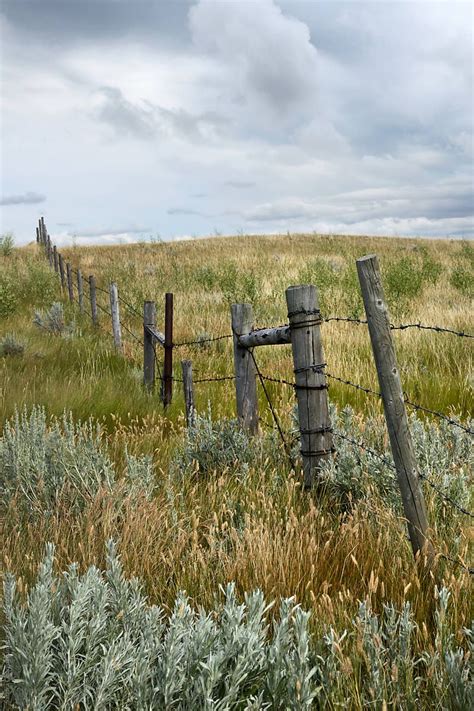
(310,381)
(149,320)
(244,367)
(393,403)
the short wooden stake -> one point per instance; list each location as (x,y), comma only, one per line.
(188,389)
(55,259)
(80,291)
(93,300)
(115,311)
(149,319)
(393,402)
(70,287)
(167,389)
(311,389)
(244,368)
(61,271)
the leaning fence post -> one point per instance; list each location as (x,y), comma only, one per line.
(80,291)
(69,282)
(114,308)
(93,300)
(149,319)
(55,259)
(188,389)
(61,270)
(167,389)
(393,403)
(244,367)
(310,382)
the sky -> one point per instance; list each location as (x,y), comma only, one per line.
(166,119)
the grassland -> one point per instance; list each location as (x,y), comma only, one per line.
(259,529)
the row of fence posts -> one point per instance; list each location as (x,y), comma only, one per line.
(303,332)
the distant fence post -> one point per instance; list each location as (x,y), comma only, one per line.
(49,251)
(114,308)
(149,319)
(393,403)
(61,271)
(80,291)
(93,300)
(244,367)
(310,382)
(42,228)
(70,287)
(37,235)
(167,389)
(188,389)
(55,259)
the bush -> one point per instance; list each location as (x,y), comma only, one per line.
(42,463)
(7,243)
(463,280)
(92,640)
(216,446)
(10,346)
(8,295)
(53,320)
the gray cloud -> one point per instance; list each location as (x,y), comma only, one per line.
(240,184)
(184,211)
(23,199)
(125,117)
(108,231)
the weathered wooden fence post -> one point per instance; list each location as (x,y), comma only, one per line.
(393,403)
(70,287)
(244,367)
(37,235)
(310,382)
(188,389)
(61,271)
(167,389)
(149,319)
(55,259)
(93,300)
(49,251)
(115,311)
(80,291)
(42,228)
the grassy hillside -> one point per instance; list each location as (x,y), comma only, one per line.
(216,506)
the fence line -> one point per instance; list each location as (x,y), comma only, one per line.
(309,380)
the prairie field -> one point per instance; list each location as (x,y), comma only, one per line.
(88,456)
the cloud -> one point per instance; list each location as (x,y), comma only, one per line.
(124,116)
(183,211)
(110,231)
(23,199)
(269,54)
(239,184)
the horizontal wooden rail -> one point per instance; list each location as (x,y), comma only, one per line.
(157,335)
(266,337)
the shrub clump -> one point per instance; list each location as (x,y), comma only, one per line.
(42,463)
(11,346)
(7,242)
(92,640)
(53,320)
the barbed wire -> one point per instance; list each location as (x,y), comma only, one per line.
(437,329)
(201,341)
(131,308)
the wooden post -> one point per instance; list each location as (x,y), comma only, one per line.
(244,368)
(310,381)
(80,291)
(114,308)
(61,271)
(167,389)
(55,259)
(149,319)
(188,389)
(37,235)
(49,251)
(42,228)
(93,300)
(70,287)
(393,403)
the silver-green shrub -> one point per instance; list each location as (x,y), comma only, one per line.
(53,320)
(11,346)
(42,461)
(92,641)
